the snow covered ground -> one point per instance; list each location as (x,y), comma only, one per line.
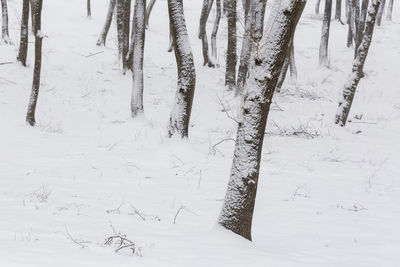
(327,196)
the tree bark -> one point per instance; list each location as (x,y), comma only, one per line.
(380,13)
(317,4)
(215,31)
(323,49)
(123,19)
(89,10)
(107,24)
(138,55)
(180,115)
(4,26)
(23,44)
(358,65)
(389,11)
(338,11)
(148,12)
(205,12)
(230,72)
(36,15)
(350,21)
(266,63)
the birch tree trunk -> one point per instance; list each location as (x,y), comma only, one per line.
(107,24)
(323,49)
(36,17)
(358,65)
(389,11)
(23,44)
(230,72)
(123,19)
(148,12)
(380,13)
(180,115)
(266,63)
(4,26)
(138,55)
(215,31)
(205,12)
(89,9)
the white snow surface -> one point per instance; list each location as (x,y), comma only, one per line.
(69,183)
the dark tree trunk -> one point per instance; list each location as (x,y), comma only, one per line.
(266,64)
(389,11)
(23,44)
(36,15)
(338,11)
(89,10)
(350,21)
(358,65)
(180,115)
(225,6)
(138,54)
(323,49)
(123,19)
(360,24)
(205,12)
(317,4)
(107,24)
(230,72)
(4,26)
(380,13)
(215,31)
(148,12)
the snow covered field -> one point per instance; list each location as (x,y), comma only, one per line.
(327,196)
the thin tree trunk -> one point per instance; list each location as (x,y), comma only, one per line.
(171,40)
(123,19)
(36,14)
(89,10)
(23,44)
(107,24)
(205,12)
(230,72)
(323,49)
(266,64)
(180,115)
(361,24)
(380,13)
(138,55)
(148,12)
(350,21)
(317,4)
(338,11)
(225,6)
(358,65)
(215,31)
(4,26)
(292,62)
(389,11)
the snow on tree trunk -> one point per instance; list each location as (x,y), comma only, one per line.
(323,49)
(265,66)
(180,115)
(123,20)
(138,54)
(36,15)
(107,24)
(317,4)
(88,7)
(389,10)
(4,26)
(23,44)
(215,31)
(148,12)
(380,13)
(338,11)
(358,65)
(205,12)
(230,72)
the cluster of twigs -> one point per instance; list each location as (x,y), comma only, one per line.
(122,242)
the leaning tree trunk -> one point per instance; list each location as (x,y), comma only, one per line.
(389,11)
(138,54)
(107,24)
(180,115)
(23,44)
(266,63)
(230,72)
(36,17)
(323,49)
(89,10)
(205,12)
(4,26)
(148,12)
(215,31)
(123,19)
(254,19)
(358,65)
(380,13)
(317,4)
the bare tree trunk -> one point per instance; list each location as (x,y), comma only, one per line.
(23,44)
(4,26)
(380,13)
(215,31)
(292,62)
(148,12)
(36,15)
(266,64)
(350,21)
(389,11)
(323,49)
(338,11)
(317,4)
(107,24)
(360,24)
(171,40)
(205,12)
(180,115)
(123,19)
(225,6)
(89,10)
(138,54)
(358,65)
(230,72)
